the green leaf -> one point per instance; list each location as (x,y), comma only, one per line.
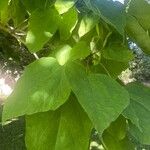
(4,12)
(111,12)
(110,67)
(66,53)
(141,10)
(88,22)
(42,87)
(18,12)
(63,6)
(102,98)
(68,23)
(63,54)
(31,6)
(115,138)
(138,34)
(80,50)
(67,128)
(3,3)
(139,111)
(111,143)
(42,25)
(117,52)
(118,128)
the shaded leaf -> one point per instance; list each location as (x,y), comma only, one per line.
(67,128)
(111,12)
(111,143)
(141,10)
(110,67)
(18,12)
(139,111)
(117,52)
(115,138)
(138,34)
(33,5)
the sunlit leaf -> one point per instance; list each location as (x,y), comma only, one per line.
(87,23)
(66,53)
(64,5)
(42,25)
(42,87)
(68,23)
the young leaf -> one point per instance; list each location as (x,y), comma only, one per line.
(42,25)
(68,23)
(42,87)
(102,98)
(87,23)
(63,6)
(67,128)
(139,111)
(66,53)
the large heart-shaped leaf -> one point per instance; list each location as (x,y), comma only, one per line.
(42,87)
(102,98)
(67,128)
(139,112)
